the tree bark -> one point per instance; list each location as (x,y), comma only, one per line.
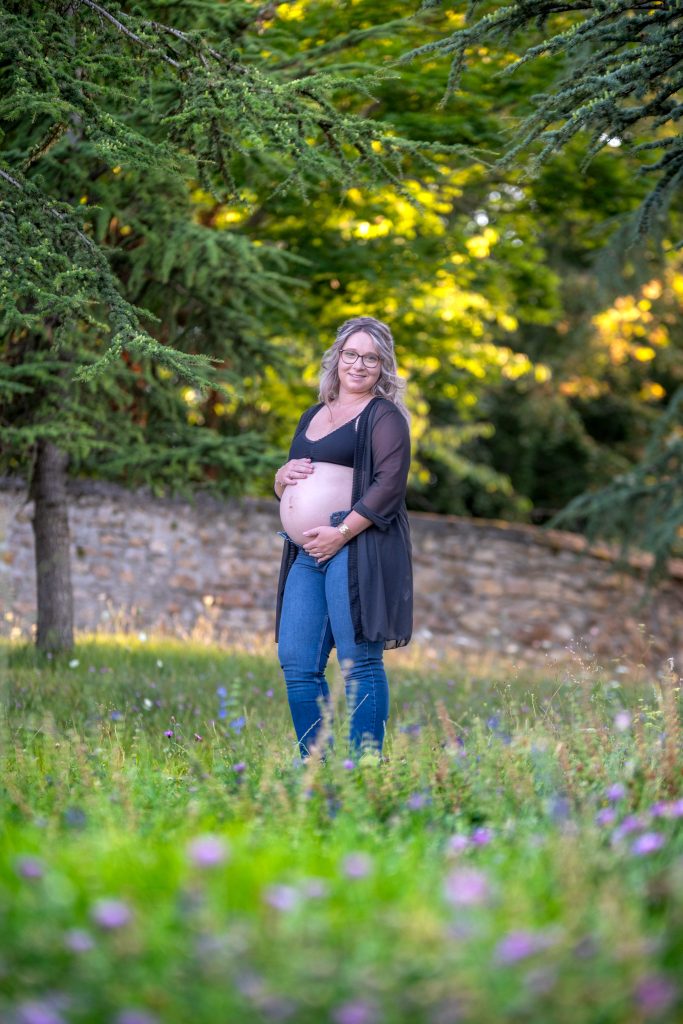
(51,539)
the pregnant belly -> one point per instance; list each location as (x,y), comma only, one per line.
(310,502)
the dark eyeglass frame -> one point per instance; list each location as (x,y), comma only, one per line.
(372,365)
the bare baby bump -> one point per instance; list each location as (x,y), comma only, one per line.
(311,500)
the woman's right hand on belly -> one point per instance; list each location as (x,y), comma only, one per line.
(295,469)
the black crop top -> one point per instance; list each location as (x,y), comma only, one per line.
(338,446)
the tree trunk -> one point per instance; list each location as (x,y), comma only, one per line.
(51,534)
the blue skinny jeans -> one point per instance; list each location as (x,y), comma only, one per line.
(316,616)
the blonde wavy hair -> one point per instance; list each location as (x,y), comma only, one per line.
(389,384)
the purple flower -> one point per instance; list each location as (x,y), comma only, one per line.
(269,693)
(221,691)
(207,851)
(482,836)
(622,721)
(315,888)
(630,824)
(605,816)
(357,865)
(348,764)
(134,1016)
(78,940)
(198,738)
(29,867)
(168,733)
(416,801)
(559,807)
(654,994)
(517,945)
(615,792)
(116,716)
(239,767)
(664,809)
(33,1011)
(111,913)
(238,724)
(457,843)
(467,887)
(649,842)
(355,1012)
(282,897)
(75,817)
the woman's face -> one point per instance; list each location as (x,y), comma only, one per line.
(356,378)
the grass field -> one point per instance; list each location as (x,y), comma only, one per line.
(166,857)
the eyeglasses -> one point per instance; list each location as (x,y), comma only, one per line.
(349,356)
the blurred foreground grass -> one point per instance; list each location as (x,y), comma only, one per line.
(165,855)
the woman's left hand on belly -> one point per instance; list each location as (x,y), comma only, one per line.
(324,542)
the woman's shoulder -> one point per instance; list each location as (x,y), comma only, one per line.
(307,415)
(383,407)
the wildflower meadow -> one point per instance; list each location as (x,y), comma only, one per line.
(166,856)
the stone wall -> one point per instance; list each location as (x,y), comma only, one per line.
(178,567)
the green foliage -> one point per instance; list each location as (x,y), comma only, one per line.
(111,256)
(486,869)
(644,501)
(174,267)
(619,85)
(202,106)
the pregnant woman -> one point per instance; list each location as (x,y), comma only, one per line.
(346,574)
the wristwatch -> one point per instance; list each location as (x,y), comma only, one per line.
(344,530)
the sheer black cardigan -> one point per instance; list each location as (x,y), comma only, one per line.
(380,558)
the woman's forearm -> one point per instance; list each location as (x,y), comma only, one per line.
(356,524)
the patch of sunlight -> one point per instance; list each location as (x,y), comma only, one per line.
(201,197)
(651,391)
(225,217)
(479,246)
(380,228)
(652,290)
(516,365)
(583,387)
(295,11)
(508,322)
